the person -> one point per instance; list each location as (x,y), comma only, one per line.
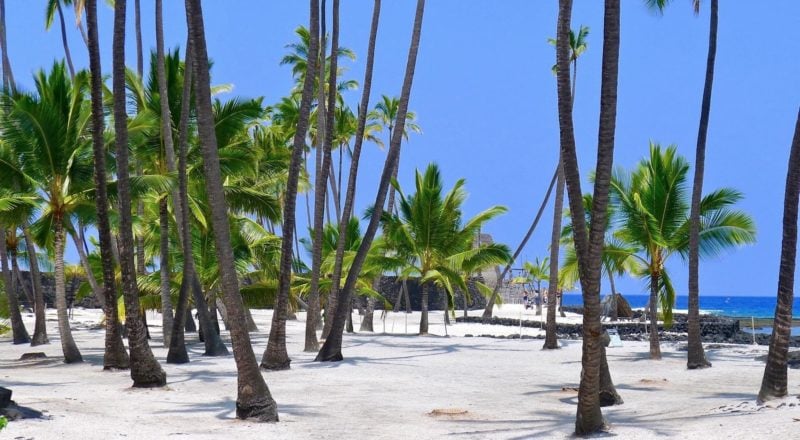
(525,299)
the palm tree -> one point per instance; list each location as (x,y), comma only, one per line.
(8,76)
(253,400)
(536,273)
(19,333)
(589,417)
(145,370)
(56,160)
(321,178)
(332,349)
(385,113)
(429,233)
(774,382)
(115,356)
(654,218)
(696,357)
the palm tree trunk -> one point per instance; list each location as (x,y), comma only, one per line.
(608,393)
(145,370)
(774,382)
(337,205)
(445,309)
(166,298)
(332,349)
(183,322)
(390,203)
(137,24)
(208,331)
(655,347)
(313,314)
(614,307)
(588,247)
(8,75)
(64,40)
(140,256)
(87,269)
(68,346)
(325,171)
(115,356)
(20,282)
(253,400)
(369,314)
(551,339)
(39,306)
(696,356)
(423,321)
(275,356)
(18,331)
(489,309)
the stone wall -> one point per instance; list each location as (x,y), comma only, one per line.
(49,288)
(390,288)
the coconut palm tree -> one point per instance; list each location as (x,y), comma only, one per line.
(53,7)
(774,382)
(696,357)
(429,233)
(332,349)
(115,356)
(653,217)
(589,418)
(385,113)
(145,370)
(254,400)
(56,161)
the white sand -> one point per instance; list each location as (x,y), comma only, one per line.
(388,386)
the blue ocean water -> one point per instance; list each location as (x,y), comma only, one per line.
(732,306)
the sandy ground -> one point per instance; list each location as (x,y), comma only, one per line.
(389,385)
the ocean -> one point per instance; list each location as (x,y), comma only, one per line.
(730,306)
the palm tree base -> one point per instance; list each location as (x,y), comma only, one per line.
(279,365)
(39,340)
(698,365)
(266,412)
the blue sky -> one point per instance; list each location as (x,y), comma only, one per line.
(486,98)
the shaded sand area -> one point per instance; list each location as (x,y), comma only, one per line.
(395,386)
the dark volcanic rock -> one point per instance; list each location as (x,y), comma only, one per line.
(5,397)
(30,356)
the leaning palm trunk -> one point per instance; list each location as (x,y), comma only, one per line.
(696,356)
(253,400)
(324,170)
(489,309)
(275,356)
(68,346)
(655,346)
(64,39)
(369,313)
(18,331)
(115,356)
(774,383)
(39,329)
(332,349)
(145,370)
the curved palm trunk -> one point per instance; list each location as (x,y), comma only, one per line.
(275,356)
(551,339)
(64,40)
(655,347)
(39,306)
(774,382)
(68,346)
(589,418)
(12,252)
(489,309)
(390,203)
(166,299)
(253,400)
(696,356)
(87,268)
(18,331)
(423,320)
(114,357)
(332,349)
(145,370)
(324,170)
(614,307)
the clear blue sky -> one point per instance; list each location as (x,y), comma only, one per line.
(486,98)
